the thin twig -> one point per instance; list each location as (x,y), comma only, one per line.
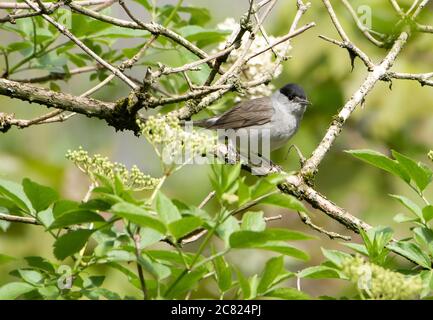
(333,235)
(86,49)
(360,26)
(12,218)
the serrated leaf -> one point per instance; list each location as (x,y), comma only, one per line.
(156,269)
(15,192)
(271,239)
(360,248)
(285,201)
(226,229)
(138,216)
(166,209)
(31,276)
(76,217)
(412,252)
(13,290)
(248,239)
(336,257)
(319,272)
(244,285)
(253,221)
(401,218)
(273,268)
(40,196)
(424,237)
(187,283)
(223,273)
(285,249)
(184,226)
(46,217)
(381,161)
(412,206)
(420,174)
(62,206)
(71,243)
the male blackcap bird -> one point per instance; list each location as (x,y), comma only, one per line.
(278,115)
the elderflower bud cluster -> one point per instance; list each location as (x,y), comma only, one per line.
(381,283)
(260,65)
(98,165)
(430,155)
(174,144)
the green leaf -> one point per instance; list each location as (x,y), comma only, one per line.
(244,285)
(285,201)
(319,272)
(131,276)
(412,206)
(226,229)
(249,239)
(223,273)
(40,263)
(156,269)
(273,268)
(424,237)
(336,257)
(166,209)
(187,283)
(401,218)
(285,249)
(71,243)
(288,294)
(360,248)
(253,221)
(427,213)
(381,161)
(40,196)
(150,236)
(419,173)
(62,206)
(15,192)
(31,276)
(196,33)
(138,216)
(270,239)
(184,226)
(76,217)
(49,292)
(46,217)
(412,252)
(243,193)
(120,255)
(198,16)
(13,290)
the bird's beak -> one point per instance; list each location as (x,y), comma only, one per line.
(303,101)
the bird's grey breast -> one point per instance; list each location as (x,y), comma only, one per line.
(285,121)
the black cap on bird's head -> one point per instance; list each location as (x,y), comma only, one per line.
(295,93)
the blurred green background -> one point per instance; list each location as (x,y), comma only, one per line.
(399,119)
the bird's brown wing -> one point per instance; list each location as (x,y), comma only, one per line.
(245,114)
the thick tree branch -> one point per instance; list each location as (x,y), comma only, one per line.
(379,71)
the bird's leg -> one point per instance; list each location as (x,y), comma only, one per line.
(300,155)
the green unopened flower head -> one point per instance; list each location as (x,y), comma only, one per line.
(430,155)
(98,165)
(380,283)
(173,143)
